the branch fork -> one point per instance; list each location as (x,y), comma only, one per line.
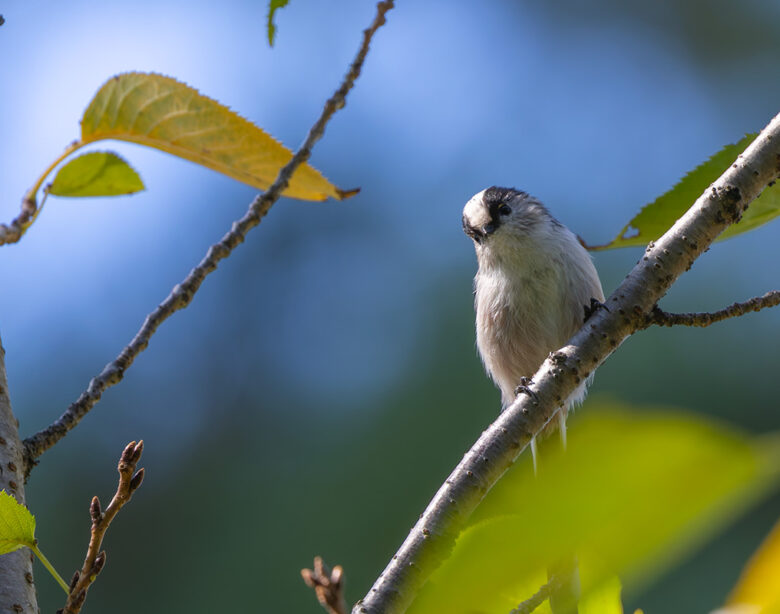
(659,317)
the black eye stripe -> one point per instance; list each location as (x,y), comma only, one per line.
(498,210)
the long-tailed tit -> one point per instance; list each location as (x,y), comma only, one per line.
(533,288)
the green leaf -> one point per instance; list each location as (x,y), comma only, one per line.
(17,525)
(604,599)
(272,6)
(657,217)
(17,530)
(633,493)
(168,115)
(99,173)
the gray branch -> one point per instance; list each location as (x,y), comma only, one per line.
(433,537)
(182,293)
(660,317)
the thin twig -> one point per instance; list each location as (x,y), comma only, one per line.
(537,599)
(11,233)
(433,537)
(660,317)
(129,481)
(182,293)
(328,586)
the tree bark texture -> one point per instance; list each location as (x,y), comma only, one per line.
(17,591)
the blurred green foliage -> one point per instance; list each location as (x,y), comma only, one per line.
(634,492)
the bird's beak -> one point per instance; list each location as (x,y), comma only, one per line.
(478,234)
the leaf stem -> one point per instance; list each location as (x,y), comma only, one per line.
(74,146)
(11,233)
(51,569)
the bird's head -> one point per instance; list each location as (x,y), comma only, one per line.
(496,215)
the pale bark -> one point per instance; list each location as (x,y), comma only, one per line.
(17,592)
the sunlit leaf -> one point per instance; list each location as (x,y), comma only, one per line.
(634,491)
(272,6)
(98,173)
(17,530)
(604,599)
(168,115)
(657,217)
(17,525)
(759,585)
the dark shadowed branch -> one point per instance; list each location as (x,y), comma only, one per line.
(182,293)
(660,317)
(628,308)
(129,481)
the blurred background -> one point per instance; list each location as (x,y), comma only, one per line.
(325,381)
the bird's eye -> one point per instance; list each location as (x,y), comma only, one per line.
(504,210)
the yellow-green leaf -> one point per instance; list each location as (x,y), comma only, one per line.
(759,585)
(633,492)
(604,599)
(163,113)
(657,217)
(98,173)
(17,525)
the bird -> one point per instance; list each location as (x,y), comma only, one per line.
(535,286)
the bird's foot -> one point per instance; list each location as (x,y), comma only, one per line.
(525,383)
(594,306)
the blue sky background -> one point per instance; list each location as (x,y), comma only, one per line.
(332,313)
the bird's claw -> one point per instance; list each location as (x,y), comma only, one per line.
(525,383)
(594,306)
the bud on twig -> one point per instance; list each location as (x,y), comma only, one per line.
(137,451)
(95,511)
(136,481)
(100,561)
(74,580)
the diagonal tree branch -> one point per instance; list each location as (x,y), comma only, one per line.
(182,293)
(434,534)
(660,317)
